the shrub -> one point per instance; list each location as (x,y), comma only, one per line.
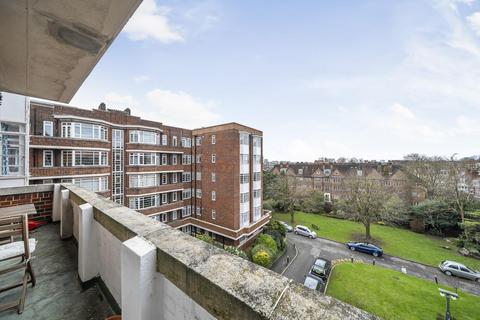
(260,247)
(273,226)
(237,252)
(262,258)
(438,216)
(315,227)
(205,237)
(267,241)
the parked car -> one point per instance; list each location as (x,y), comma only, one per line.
(452,268)
(288,227)
(366,248)
(321,268)
(304,231)
(314,283)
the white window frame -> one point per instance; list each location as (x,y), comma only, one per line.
(214,139)
(45,152)
(164,140)
(174,159)
(174,196)
(164,159)
(214,158)
(174,141)
(174,177)
(214,196)
(214,177)
(164,198)
(47,124)
(214,214)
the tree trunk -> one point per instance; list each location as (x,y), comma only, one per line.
(367,231)
(292,217)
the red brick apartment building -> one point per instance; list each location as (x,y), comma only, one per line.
(202,180)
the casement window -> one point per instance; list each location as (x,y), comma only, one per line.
(174,177)
(244,178)
(214,214)
(144,202)
(164,198)
(186,194)
(164,140)
(48,128)
(198,141)
(199,193)
(199,158)
(164,178)
(214,139)
(257,142)
(164,217)
(47,181)
(174,196)
(257,193)
(164,159)
(94,184)
(199,211)
(144,159)
(214,196)
(244,197)
(214,158)
(244,219)
(186,211)
(186,177)
(47,158)
(186,142)
(244,159)
(174,159)
(199,176)
(144,137)
(257,213)
(187,159)
(83,131)
(214,178)
(174,141)
(143,180)
(257,176)
(80,158)
(174,215)
(256,159)
(244,137)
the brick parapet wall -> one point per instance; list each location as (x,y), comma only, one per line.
(41,197)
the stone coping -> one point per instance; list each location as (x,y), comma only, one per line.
(26,189)
(227,286)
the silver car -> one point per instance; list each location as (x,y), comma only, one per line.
(304,231)
(457,269)
(287,226)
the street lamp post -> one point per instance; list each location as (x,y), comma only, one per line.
(448,295)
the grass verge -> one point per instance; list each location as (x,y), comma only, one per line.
(393,295)
(394,241)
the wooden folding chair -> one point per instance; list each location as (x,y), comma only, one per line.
(11,227)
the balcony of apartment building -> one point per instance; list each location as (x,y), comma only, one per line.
(98,258)
(50,142)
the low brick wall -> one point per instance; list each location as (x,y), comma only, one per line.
(40,195)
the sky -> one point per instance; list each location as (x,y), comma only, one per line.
(365,79)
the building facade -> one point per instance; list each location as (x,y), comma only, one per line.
(331,178)
(204,180)
(14,131)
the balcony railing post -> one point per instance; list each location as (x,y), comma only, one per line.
(66,216)
(57,202)
(138,267)
(87,247)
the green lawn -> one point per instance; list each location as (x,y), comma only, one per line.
(394,241)
(393,295)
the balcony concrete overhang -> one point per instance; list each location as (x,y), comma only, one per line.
(48,48)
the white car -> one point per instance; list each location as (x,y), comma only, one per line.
(304,231)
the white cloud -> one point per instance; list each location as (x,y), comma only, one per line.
(116,100)
(150,22)
(180,109)
(141,78)
(474,21)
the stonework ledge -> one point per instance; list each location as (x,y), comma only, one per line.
(227,286)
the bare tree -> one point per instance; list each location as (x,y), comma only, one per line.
(428,172)
(367,201)
(287,194)
(459,185)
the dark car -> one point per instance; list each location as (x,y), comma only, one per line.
(366,248)
(314,283)
(321,268)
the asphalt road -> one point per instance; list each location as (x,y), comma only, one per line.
(309,249)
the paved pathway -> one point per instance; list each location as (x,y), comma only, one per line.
(309,249)
(282,262)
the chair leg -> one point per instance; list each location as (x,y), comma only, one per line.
(32,273)
(21,304)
